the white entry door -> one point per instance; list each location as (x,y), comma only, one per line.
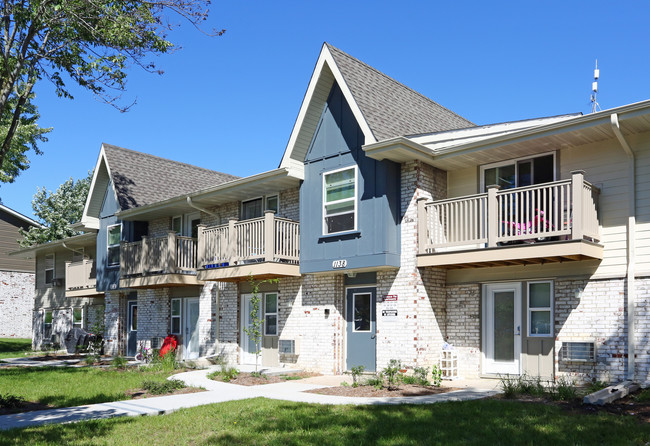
(502,328)
(247,347)
(191,328)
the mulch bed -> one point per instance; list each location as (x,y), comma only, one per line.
(627,406)
(370,391)
(245,379)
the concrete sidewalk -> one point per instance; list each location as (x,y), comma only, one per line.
(218,392)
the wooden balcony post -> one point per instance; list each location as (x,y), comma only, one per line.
(201,255)
(144,255)
(423,242)
(171,252)
(232,241)
(269,235)
(577,185)
(492,215)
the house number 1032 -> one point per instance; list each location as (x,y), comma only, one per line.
(339,263)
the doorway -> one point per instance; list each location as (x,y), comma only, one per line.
(361,328)
(132,328)
(502,328)
(248,346)
(191,344)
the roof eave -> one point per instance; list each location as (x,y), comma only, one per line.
(79,240)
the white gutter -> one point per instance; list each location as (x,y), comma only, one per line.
(192,205)
(631,256)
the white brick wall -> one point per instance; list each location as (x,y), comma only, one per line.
(16,304)
(153,314)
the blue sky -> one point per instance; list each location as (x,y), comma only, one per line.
(229,103)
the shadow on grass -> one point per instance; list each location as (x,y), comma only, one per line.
(9,345)
(472,422)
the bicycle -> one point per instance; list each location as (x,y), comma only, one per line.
(144,353)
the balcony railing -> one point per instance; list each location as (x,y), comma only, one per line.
(561,210)
(80,275)
(169,254)
(264,239)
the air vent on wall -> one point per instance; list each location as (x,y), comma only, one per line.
(578,352)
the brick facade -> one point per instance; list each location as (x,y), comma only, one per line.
(16,304)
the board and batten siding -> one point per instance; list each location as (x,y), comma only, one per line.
(606,166)
(107,278)
(376,242)
(9,235)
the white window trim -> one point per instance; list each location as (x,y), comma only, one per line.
(82,315)
(53,269)
(271,314)
(264,207)
(354,300)
(182,223)
(530,310)
(515,161)
(44,312)
(179,317)
(109,246)
(130,316)
(356,207)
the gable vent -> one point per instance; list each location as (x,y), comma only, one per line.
(578,352)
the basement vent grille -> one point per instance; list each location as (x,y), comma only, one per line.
(578,352)
(287,346)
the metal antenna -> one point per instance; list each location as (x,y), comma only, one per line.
(595,106)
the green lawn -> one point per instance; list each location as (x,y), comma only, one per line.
(67,386)
(267,422)
(14,347)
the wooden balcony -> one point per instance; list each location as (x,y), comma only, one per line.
(81,278)
(158,261)
(552,222)
(264,247)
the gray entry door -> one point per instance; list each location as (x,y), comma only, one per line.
(361,322)
(132,329)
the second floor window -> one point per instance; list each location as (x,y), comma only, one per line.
(114,236)
(340,201)
(255,208)
(49,269)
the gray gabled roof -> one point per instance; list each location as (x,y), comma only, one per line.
(392,109)
(141,179)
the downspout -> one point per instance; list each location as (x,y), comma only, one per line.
(190,204)
(631,256)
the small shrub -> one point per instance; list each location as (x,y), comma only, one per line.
(345,384)
(162,387)
(643,396)
(119,362)
(436,376)
(91,359)
(9,401)
(356,374)
(167,363)
(229,373)
(408,379)
(563,389)
(258,375)
(290,377)
(391,373)
(377,383)
(420,374)
(509,386)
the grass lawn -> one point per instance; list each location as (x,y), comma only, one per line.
(268,422)
(66,386)
(14,347)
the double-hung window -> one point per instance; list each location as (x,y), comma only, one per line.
(271,314)
(77,317)
(49,269)
(340,200)
(540,308)
(47,325)
(114,235)
(176,317)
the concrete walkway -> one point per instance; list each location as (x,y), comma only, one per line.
(218,392)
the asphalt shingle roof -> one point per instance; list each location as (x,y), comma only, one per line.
(141,179)
(390,108)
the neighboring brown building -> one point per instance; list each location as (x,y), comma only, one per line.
(16,277)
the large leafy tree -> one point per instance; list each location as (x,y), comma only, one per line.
(90,43)
(57,211)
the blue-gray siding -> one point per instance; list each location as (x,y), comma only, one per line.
(107,278)
(336,144)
